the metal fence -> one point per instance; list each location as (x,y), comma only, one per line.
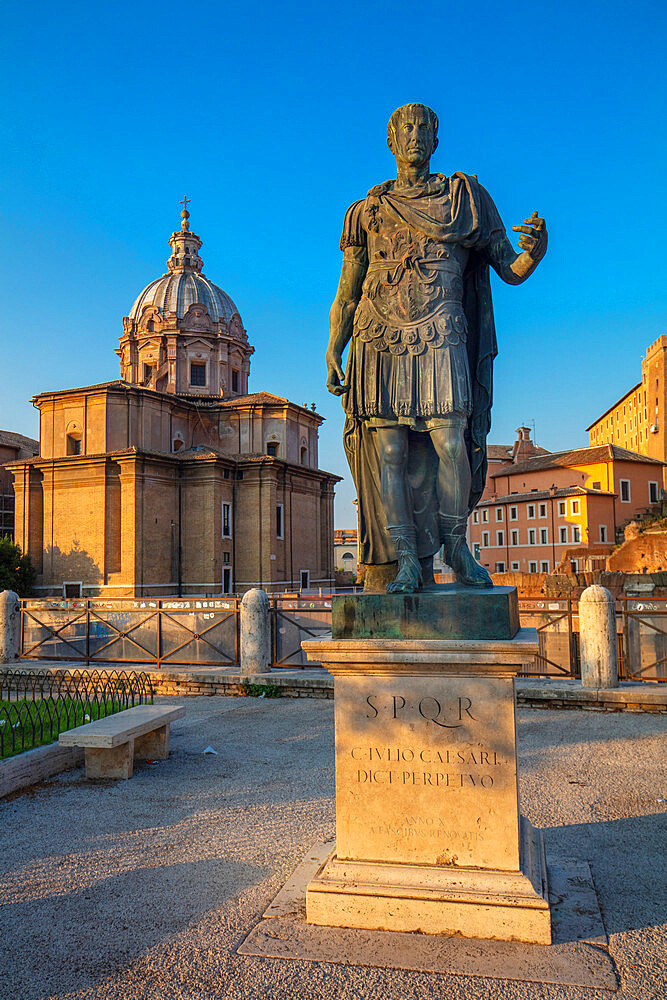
(292,620)
(35,706)
(644,641)
(557,624)
(205,631)
(127,630)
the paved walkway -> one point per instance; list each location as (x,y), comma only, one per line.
(143,889)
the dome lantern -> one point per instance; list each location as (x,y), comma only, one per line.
(185,247)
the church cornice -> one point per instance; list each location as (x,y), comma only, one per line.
(252,401)
(198,455)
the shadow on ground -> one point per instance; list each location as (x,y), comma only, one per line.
(106,925)
(630,889)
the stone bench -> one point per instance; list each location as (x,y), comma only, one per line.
(111,744)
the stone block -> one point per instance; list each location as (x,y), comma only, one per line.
(426,770)
(449,611)
(110,762)
(153,745)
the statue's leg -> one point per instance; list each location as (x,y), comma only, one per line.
(453,492)
(392,445)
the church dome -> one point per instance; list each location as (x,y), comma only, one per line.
(184,285)
(176,292)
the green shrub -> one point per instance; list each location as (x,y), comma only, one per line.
(16,571)
(247,690)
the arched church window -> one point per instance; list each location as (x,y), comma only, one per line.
(235,381)
(304,455)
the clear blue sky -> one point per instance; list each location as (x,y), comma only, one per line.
(272,119)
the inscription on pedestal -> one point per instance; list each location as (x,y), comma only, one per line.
(426,770)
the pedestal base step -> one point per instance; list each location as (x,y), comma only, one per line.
(578,955)
(473,902)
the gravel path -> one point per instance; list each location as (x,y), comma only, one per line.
(144,889)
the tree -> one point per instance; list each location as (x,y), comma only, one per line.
(16,570)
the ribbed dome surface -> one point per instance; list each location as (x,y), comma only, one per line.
(176,292)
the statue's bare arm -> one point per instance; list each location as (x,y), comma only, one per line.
(341,316)
(515,267)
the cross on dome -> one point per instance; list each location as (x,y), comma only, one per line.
(185,215)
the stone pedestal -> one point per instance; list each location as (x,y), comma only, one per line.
(428,832)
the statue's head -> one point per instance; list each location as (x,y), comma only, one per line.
(412,133)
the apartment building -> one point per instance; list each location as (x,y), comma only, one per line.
(637,420)
(532,532)
(536,511)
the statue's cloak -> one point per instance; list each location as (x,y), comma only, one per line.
(451,210)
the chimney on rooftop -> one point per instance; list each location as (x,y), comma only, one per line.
(523,446)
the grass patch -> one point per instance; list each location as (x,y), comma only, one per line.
(26,724)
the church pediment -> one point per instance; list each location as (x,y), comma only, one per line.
(197,344)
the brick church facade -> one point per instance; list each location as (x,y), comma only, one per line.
(174,480)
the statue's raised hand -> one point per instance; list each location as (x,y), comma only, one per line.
(335,375)
(534,236)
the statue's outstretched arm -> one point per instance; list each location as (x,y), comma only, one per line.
(341,316)
(515,267)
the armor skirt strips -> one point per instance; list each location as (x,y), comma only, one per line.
(432,384)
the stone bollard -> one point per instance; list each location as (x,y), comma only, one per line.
(597,638)
(10,620)
(255,633)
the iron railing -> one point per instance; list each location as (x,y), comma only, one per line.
(132,630)
(35,706)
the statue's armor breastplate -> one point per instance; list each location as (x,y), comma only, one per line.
(412,298)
